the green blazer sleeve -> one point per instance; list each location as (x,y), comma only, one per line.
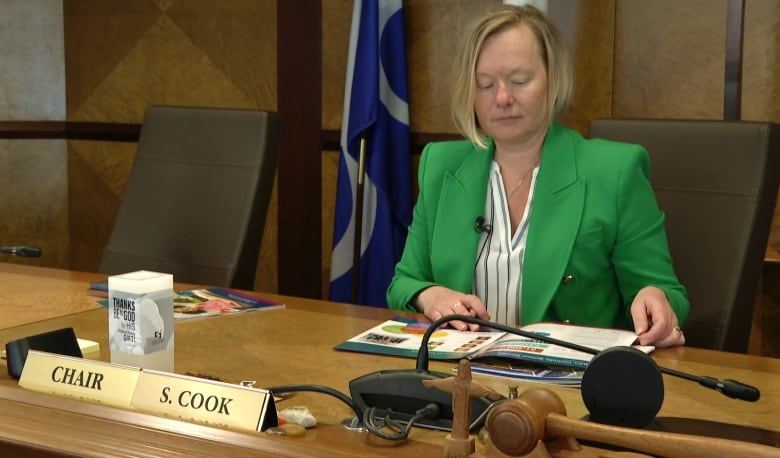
(596,235)
(441,244)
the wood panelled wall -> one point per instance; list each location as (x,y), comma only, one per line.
(633,58)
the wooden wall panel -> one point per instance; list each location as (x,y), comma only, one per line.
(33,199)
(330,167)
(760,78)
(299,62)
(433,36)
(761,61)
(336,20)
(588,26)
(669,59)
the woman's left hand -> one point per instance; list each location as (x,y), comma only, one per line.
(655,323)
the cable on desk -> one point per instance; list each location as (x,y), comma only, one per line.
(430,411)
(319,389)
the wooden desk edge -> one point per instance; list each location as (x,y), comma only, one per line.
(74,427)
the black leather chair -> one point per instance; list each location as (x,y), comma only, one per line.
(717,182)
(197,197)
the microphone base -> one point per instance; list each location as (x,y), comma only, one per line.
(400,393)
(622,386)
(354,424)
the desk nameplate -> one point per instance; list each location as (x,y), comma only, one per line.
(204,401)
(84,379)
(160,393)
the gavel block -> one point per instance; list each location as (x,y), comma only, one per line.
(535,425)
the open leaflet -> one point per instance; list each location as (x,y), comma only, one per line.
(495,352)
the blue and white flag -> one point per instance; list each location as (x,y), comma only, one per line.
(375,107)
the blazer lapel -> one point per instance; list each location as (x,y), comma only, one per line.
(462,201)
(555,217)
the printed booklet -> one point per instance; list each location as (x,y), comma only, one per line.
(201,303)
(495,352)
(197,303)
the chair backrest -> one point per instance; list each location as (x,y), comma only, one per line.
(717,182)
(197,197)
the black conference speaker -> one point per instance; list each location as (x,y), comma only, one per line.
(62,342)
(623,386)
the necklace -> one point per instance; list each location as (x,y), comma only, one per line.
(522,180)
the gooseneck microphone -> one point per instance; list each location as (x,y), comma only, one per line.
(621,385)
(22,251)
(423,354)
(730,388)
(480,226)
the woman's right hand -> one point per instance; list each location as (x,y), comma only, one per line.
(437,301)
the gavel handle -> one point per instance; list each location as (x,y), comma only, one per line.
(670,445)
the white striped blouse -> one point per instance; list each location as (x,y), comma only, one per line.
(498,278)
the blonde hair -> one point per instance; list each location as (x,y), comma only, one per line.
(556,57)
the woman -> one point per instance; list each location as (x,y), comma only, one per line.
(527,221)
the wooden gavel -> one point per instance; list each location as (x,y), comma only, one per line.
(517,425)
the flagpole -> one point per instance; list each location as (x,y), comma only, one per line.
(356,251)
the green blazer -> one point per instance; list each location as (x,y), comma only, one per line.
(595,238)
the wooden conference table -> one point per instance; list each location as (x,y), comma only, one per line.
(288,346)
